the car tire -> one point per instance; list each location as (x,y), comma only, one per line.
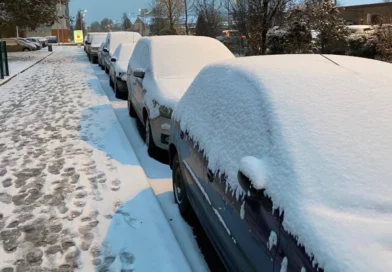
(179,189)
(111,83)
(26,50)
(152,149)
(117,92)
(102,68)
(131,110)
(106,70)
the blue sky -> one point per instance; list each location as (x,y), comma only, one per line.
(98,9)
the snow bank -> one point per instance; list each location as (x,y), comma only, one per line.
(172,62)
(325,129)
(123,53)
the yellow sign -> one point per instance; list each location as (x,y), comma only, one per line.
(78,36)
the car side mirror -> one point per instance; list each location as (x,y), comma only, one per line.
(138,73)
(252,175)
(114,59)
(105,50)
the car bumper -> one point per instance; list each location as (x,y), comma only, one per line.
(160,127)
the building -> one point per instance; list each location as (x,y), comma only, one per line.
(59,29)
(370,14)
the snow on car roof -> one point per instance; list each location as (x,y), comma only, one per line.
(123,53)
(98,39)
(323,131)
(121,37)
(172,62)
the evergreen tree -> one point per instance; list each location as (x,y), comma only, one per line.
(201,26)
(126,23)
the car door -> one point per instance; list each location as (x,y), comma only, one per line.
(139,89)
(250,226)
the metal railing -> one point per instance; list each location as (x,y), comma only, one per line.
(4,69)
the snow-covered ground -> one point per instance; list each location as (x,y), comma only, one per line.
(19,61)
(73,194)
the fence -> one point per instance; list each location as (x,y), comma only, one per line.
(4,69)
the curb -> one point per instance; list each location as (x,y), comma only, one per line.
(24,70)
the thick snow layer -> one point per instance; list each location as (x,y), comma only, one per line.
(97,40)
(256,170)
(123,53)
(172,62)
(72,192)
(116,38)
(325,128)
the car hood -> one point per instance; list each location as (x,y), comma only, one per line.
(165,91)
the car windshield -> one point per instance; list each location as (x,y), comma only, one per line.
(98,39)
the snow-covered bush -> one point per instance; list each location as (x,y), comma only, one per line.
(277,41)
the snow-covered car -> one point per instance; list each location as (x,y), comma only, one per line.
(113,39)
(36,41)
(100,56)
(24,45)
(360,29)
(286,160)
(89,40)
(159,72)
(38,45)
(93,47)
(118,69)
(51,39)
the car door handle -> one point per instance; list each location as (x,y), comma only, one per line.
(210,175)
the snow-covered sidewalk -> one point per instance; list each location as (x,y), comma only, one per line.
(20,61)
(72,192)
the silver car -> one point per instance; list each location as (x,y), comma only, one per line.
(159,72)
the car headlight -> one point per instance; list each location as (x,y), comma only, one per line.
(165,111)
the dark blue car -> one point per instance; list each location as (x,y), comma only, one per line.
(273,158)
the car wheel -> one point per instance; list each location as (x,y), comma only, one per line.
(102,67)
(111,82)
(151,147)
(131,110)
(179,190)
(117,92)
(26,49)
(106,70)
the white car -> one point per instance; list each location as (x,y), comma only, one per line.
(159,72)
(93,47)
(88,42)
(118,69)
(286,161)
(113,39)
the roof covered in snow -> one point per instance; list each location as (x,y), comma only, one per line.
(123,53)
(116,38)
(97,40)
(321,129)
(172,62)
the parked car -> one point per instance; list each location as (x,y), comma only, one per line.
(159,72)
(113,39)
(360,29)
(283,172)
(89,37)
(40,40)
(15,45)
(51,39)
(100,57)
(93,45)
(38,45)
(118,69)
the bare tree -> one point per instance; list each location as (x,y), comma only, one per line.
(209,10)
(188,6)
(172,10)
(255,17)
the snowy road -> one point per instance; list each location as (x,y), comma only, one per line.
(73,194)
